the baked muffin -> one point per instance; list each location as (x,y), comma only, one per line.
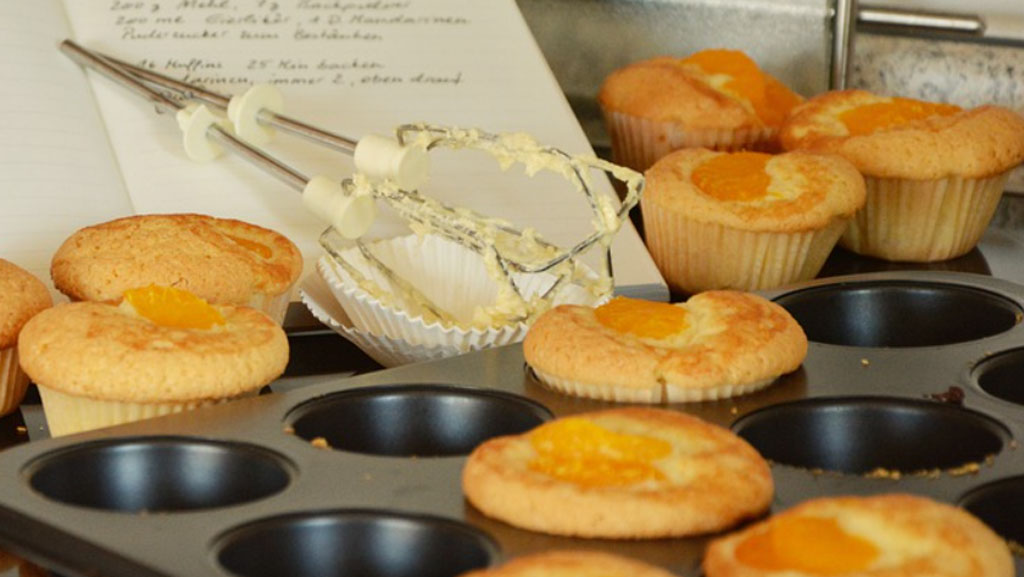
(161,350)
(718,344)
(746,220)
(628,473)
(717,99)
(571,563)
(934,172)
(21,297)
(891,535)
(223,261)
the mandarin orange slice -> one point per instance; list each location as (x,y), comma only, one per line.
(739,176)
(172,307)
(814,545)
(770,99)
(582,452)
(877,116)
(641,318)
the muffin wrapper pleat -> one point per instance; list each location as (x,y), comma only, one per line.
(13,381)
(638,142)
(68,414)
(696,256)
(923,220)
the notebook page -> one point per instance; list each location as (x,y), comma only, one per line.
(57,171)
(352,67)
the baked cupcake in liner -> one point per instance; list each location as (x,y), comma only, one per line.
(386,351)
(716,345)
(452,277)
(746,221)
(572,563)
(715,99)
(934,172)
(159,351)
(620,473)
(884,534)
(22,296)
(223,261)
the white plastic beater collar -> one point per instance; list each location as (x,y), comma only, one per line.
(381,158)
(194,121)
(244,112)
(349,211)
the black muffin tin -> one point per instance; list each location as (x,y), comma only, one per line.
(913,383)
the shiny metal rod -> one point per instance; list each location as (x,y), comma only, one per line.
(280,121)
(107,68)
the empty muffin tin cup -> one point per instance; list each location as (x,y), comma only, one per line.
(899,313)
(349,543)
(179,474)
(1002,376)
(1000,505)
(414,420)
(872,435)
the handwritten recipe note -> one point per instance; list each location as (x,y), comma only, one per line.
(353,67)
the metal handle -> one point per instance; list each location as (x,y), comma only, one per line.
(884,16)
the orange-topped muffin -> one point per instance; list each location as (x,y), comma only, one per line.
(627,473)
(224,261)
(746,220)
(572,563)
(22,296)
(161,350)
(717,344)
(716,99)
(934,172)
(894,535)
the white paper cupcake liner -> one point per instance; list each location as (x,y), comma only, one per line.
(451,276)
(276,306)
(650,396)
(638,142)
(923,220)
(387,352)
(68,414)
(694,256)
(13,381)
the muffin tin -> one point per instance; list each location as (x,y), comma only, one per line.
(914,382)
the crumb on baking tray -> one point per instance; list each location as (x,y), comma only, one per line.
(320,443)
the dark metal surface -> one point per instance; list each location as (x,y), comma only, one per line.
(911,418)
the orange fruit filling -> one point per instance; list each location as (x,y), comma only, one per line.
(251,245)
(641,318)
(769,98)
(812,545)
(579,451)
(174,308)
(739,176)
(897,112)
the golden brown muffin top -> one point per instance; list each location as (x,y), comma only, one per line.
(21,296)
(715,339)
(222,260)
(572,563)
(790,192)
(113,352)
(708,90)
(894,535)
(891,137)
(623,473)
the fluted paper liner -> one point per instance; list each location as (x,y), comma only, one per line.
(638,142)
(923,220)
(13,381)
(453,277)
(695,256)
(387,352)
(68,414)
